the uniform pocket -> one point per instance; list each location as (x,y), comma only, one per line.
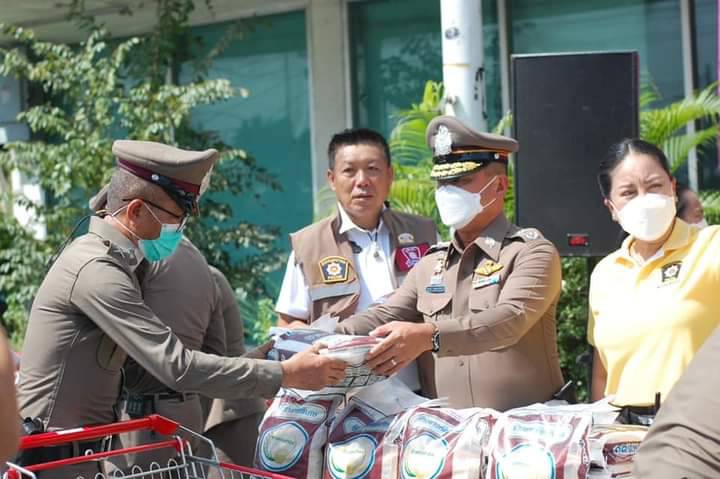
(429,304)
(109,355)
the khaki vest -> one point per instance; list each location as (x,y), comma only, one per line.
(322,240)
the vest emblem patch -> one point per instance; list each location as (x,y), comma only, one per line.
(670,272)
(406,238)
(408,256)
(334,269)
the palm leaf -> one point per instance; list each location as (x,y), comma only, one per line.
(658,125)
(677,148)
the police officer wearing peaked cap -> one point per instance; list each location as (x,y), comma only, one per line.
(485,302)
(89,315)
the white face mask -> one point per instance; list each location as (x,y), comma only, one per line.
(647,217)
(700,224)
(457,206)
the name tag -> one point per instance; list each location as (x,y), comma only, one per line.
(482,282)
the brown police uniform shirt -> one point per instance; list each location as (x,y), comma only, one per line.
(684,440)
(226,311)
(494,305)
(320,247)
(88,316)
(181,292)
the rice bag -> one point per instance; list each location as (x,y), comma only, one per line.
(356,448)
(351,349)
(613,448)
(293,432)
(540,443)
(444,443)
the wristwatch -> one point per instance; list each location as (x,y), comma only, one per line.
(436,341)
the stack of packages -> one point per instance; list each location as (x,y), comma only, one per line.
(373,427)
(612,450)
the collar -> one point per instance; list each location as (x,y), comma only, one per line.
(491,239)
(347,224)
(131,254)
(679,237)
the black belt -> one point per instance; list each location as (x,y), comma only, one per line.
(638,415)
(141,405)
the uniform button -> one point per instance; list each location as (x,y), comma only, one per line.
(461,362)
(106,243)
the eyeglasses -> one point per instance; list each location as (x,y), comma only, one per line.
(182,219)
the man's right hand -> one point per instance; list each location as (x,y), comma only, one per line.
(311,370)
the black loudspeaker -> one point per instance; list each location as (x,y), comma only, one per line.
(568,109)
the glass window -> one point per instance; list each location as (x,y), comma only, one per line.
(652,27)
(272,123)
(395,47)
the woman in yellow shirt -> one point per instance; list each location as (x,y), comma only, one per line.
(654,301)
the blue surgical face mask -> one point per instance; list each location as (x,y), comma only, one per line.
(164,245)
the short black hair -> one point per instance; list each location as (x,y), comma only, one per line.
(356,136)
(682,203)
(617,154)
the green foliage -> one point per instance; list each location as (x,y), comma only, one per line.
(258,316)
(665,127)
(710,200)
(84,97)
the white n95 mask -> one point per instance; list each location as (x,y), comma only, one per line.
(647,217)
(457,206)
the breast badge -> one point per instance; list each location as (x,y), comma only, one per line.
(670,272)
(334,269)
(488,267)
(408,256)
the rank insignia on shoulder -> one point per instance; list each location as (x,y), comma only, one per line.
(334,269)
(488,267)
(441,246)
(482,282)
(406,238)
(530,234)
(670,272)
(408,256)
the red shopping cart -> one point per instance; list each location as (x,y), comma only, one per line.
(184,465)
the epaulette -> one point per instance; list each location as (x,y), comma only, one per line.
(441,246)
(529,234)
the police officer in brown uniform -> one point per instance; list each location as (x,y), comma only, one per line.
(684,439)
(89,316)
(357,257)
(232,424)
(483,303)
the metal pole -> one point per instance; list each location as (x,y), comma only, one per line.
(688,58)
(462,51)
(504,54)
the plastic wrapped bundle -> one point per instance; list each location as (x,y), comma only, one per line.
(540,443)
(613,449)
(357,447)
(443,443)
(294,431)
(351,349)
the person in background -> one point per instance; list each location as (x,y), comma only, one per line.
(232,424)
(654,301)
(689,207)
(484,303)
(9,421)
(684,439)
(357,257)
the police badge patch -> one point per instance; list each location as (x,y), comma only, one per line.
(408,256)
(670,272)
(334,269)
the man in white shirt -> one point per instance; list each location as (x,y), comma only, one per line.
(354,259)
